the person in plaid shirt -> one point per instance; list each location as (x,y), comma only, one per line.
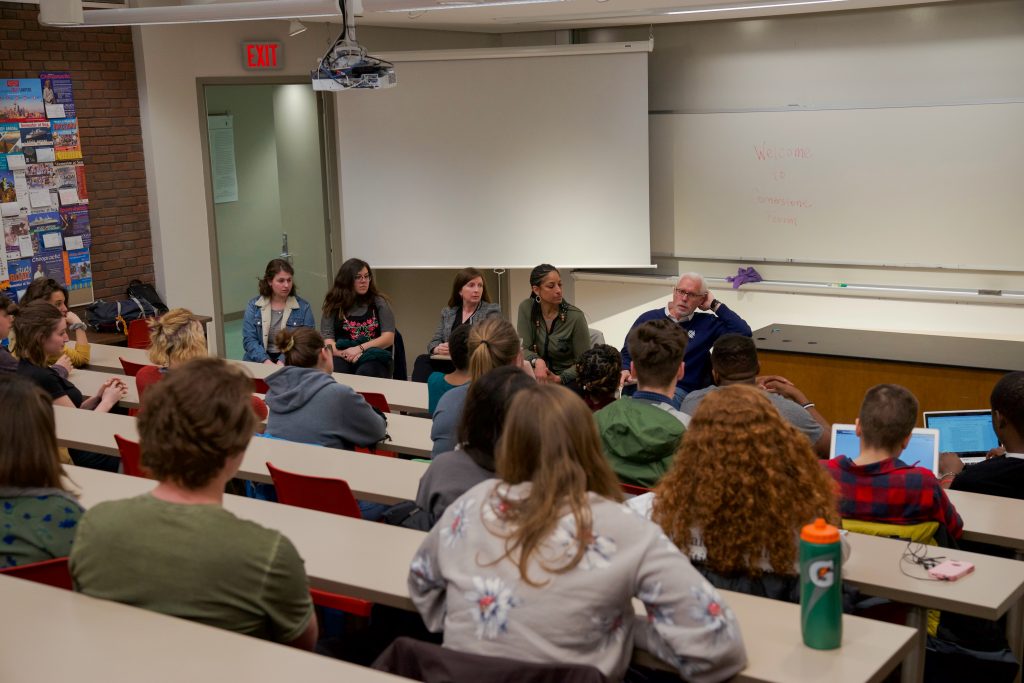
(878,486)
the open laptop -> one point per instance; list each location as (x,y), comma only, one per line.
(968,433)
(922,451)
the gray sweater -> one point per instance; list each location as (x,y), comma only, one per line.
(449,476)
(444,431)
(448,315)
(309,406)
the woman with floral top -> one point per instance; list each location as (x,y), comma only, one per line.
(38,516)
(543,564)
(358,323)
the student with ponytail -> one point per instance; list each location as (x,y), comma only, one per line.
(309,406)
(493,343)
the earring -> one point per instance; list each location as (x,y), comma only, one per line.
(536,297)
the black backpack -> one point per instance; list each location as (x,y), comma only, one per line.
(147,292)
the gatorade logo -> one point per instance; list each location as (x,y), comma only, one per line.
(822,573)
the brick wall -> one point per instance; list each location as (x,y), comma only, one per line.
(102,67)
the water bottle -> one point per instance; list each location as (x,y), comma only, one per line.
(821,586)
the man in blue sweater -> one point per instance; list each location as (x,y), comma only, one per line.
(704,319)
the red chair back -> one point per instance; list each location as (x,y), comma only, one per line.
(378,401)
(633,489)
(131,457)
(314,493)
(50,572)
(259,386)
(138,334)
(131,369)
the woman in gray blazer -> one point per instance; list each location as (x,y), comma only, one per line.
(468,304)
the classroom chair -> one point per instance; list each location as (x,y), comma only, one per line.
(138,334)
(259,386)
(325,495)
(131,457)
(380,402)
(131,369)
(50,572)
(633,489)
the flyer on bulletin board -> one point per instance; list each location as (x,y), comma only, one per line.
(66,144)
(80,268)
(21,99)
(58,99)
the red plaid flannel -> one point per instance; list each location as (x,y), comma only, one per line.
(892,492)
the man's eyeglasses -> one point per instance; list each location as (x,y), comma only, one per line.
(689,295)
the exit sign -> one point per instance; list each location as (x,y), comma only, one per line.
(262,55)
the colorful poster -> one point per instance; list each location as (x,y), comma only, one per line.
(46,241)
(39,155)
(80,269)
(8,192)
(41,176)
(41,222)
(21,99)
(58,99)
(66,144)
(75,224)
(36,134)
(66,182)
(17,241)
(49,264)
(10,138)
(19,274)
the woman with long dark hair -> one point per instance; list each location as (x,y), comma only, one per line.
(358,323)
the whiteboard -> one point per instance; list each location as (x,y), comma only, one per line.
(926,186)
(504,162)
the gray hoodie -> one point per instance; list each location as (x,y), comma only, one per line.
(309,406)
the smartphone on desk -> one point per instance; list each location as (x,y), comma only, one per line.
(951,570)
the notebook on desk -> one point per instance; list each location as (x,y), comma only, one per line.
(922,451)
(968,433)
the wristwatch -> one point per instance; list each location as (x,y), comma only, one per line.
(76,326)
(533,363)
(715,303)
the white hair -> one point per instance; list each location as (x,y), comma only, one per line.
(695,276)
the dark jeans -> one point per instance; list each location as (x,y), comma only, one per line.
(370,368)
(95,461)
(424,367)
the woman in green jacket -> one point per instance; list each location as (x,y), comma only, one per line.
(554,332)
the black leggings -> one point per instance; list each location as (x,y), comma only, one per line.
(370,368)
(424,367)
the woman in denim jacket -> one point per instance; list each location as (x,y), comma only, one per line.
(275,308)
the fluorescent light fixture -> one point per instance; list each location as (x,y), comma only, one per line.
(470,4)
(255,10)
(740,8)
(295,27)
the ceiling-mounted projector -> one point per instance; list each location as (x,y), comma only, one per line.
(346,66)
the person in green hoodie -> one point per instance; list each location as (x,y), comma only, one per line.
(639,434)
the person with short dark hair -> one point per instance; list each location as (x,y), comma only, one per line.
(554,332)
(734,361)
(38,515)
(453,473)
(468,303)
(640,433)
(278,307)
(1002,473)
(358,323)
(54,293)
(8,309)
(878,486)
(703,318)
(439,383)
(308,405)
(597,375)
(176,550)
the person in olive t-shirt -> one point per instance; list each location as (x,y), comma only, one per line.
(176,550)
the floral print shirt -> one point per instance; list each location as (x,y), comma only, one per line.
(462,585)
(36,525)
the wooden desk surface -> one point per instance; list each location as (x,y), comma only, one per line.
(371,477)
(401,395)
(103,641)
(990,519)
(409,435)
(371,561)
(990,354)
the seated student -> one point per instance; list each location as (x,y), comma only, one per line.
(597,375)
(309,406)
(52,292)
(554,332)
(734,361)
(737,441)
(468,303)
(175,338)
(878,486)
(38,515)
(42,333)
(8,363)
(541,565)
(278,307)
(176,550)
(640,433)
(358,323)
(1001,475)
(439,384)
(492,343)
(453,473)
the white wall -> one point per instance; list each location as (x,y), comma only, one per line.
(169,59)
